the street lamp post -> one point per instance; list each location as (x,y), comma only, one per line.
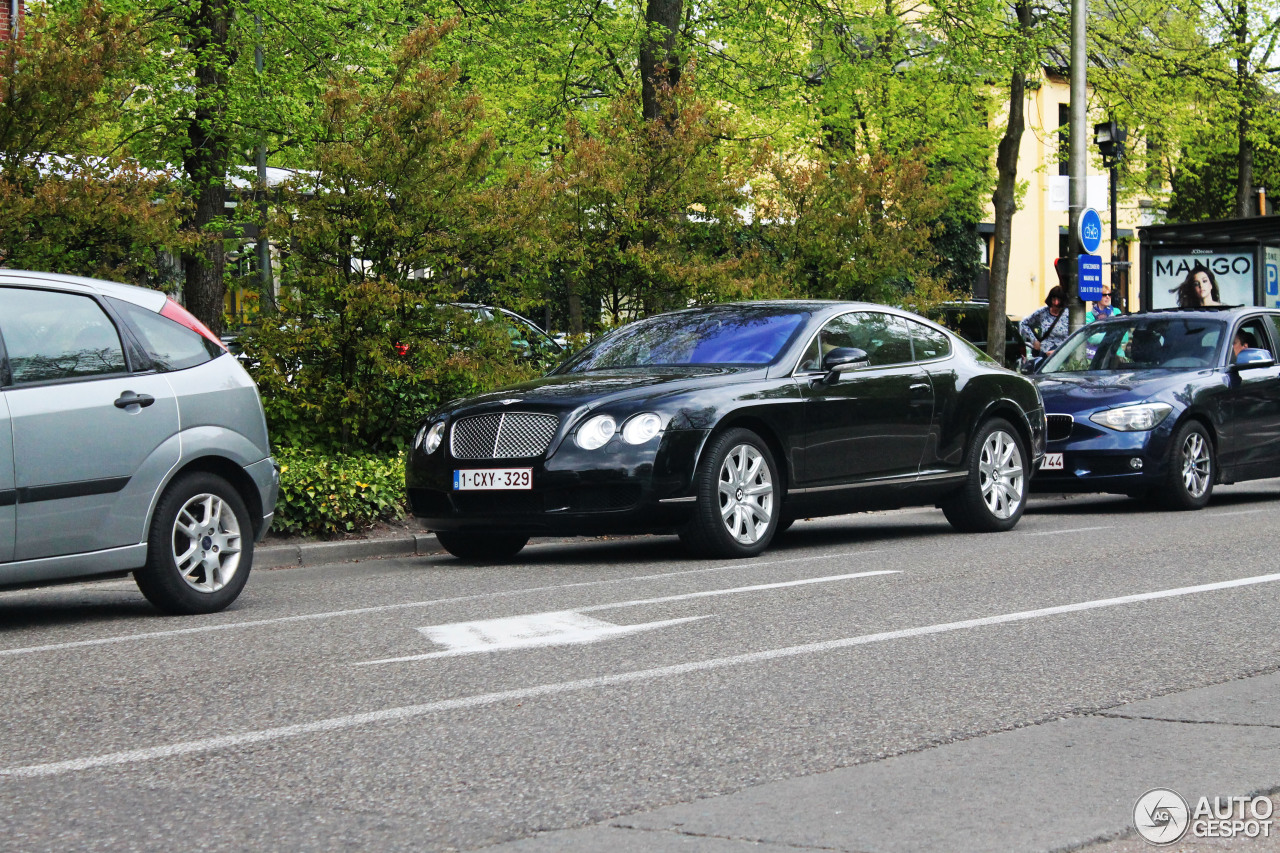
(1110,138)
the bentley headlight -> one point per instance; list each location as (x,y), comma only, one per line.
(1138,418)
(596,432)
(641,428)
(434,436)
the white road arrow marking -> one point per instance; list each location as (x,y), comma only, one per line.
(534,630)
(569,627)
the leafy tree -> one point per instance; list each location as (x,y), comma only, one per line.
(853,228)
(1197,77)
(199,106)
(63,208)
(390,218)
(646,211)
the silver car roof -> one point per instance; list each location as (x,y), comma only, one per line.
(152,300)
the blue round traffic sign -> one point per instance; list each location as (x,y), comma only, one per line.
(1090,231)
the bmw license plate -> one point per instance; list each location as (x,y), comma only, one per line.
(470,479)
(1052,462)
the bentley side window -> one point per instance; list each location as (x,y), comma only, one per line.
(928,343)
(884,337)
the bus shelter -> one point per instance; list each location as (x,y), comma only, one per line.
(1242,254)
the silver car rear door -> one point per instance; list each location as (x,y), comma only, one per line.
(8,494)
(91,441)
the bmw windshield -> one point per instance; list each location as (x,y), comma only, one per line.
(1140,342)
(741,335)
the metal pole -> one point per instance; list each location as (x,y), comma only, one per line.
(1078,161)
(266,282)
(1117,300)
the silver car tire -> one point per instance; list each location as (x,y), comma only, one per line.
(995,490)
(739,502)
(200,546)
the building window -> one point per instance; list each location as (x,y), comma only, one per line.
(1064,139)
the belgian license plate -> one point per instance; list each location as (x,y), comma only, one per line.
(469,479)
(1052,462)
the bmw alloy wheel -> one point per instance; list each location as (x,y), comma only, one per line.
(746,494)
(1001,474)
(206,543)
(1196,464)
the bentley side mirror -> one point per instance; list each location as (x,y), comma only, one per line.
(841,359)
(1249,358)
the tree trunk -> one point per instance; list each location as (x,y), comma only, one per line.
(1005,200)
(206,162)
(1244,122)
(659,64)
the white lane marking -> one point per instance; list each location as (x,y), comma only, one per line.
(408,712)
(756,588)
(535,630)
(1072,530)
(1238,512)
(505,633)
(383,608)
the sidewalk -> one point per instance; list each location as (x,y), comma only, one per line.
(315,553)
(402,539)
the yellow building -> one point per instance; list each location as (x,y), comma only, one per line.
(1039,233)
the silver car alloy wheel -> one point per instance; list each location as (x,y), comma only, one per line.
(746,494)
(1000,474)
(206,543)
(1196,465)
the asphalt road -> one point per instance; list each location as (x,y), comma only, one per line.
(872,683)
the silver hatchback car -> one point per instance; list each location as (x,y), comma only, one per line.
(130,441)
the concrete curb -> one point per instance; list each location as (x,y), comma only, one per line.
(319,553)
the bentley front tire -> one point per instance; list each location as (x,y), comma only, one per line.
(482,547)
(738,504)
(995,491)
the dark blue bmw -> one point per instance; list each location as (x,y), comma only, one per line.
(1163,405)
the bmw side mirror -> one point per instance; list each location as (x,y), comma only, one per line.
(841,359)
(1252,357)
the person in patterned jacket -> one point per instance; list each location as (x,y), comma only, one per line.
(1046,328)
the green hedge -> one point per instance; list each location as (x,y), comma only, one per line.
(329,495)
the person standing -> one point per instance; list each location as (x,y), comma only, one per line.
(1102,308)
(1046,328)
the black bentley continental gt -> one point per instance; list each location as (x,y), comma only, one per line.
(726,423)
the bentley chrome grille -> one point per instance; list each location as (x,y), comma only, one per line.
(505,435)
(1059,426)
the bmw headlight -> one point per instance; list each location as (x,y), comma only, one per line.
(641,428)
(429,438)
(596,432)
(1138,418)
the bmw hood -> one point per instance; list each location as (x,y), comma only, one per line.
(1067,393)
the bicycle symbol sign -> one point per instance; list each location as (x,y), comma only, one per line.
(1090,228)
